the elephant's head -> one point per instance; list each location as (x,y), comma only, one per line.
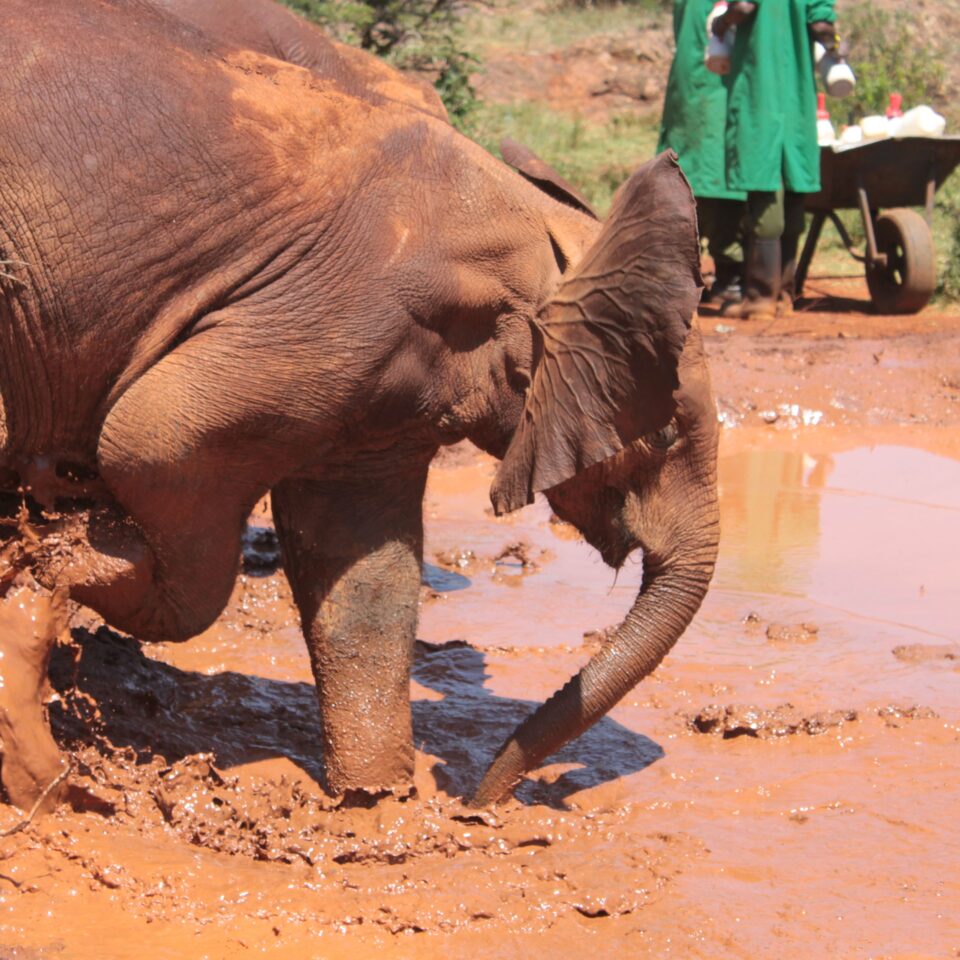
(619,430)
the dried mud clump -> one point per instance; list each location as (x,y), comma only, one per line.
(517,554)
(894,715)
(926,652)
(388,866)
(516,560)
(739,720)
(457,558)
(792,633)
(131,725)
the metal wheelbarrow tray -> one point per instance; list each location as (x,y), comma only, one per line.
(899,259)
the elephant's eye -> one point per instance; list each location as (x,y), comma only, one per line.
(664,438)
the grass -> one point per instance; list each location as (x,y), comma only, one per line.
(946,238)
(550,25)
(832,259)
(595,157)
(598,156)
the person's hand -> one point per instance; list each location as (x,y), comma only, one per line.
(825,33)
(735,13)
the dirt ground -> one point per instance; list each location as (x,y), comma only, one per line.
(783,786)
(597,73)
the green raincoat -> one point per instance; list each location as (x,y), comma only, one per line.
(771,137)
(695,106)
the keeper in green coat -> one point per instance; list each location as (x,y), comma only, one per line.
(693,124)
(771,135)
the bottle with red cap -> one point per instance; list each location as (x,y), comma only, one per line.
(826,135)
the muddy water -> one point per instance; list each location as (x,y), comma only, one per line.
(784,785)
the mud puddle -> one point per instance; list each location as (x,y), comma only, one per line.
(784,785)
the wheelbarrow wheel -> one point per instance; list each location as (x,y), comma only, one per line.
(907,280)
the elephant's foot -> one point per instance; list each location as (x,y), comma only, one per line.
(361,650)
(361,769)
(352,551)
(32,768)
(363,691)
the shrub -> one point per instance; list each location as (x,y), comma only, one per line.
(421,35)
(889,55)
(949,286)
(947,233)
(584,4)
(453,82)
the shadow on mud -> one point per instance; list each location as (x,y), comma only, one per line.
(811,302)
(831,303)
(466,727)
(110,690)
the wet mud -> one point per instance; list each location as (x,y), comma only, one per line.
(784,785)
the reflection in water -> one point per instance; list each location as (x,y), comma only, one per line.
(770,517)
(871,531)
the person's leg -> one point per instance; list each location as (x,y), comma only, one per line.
(721,222)
(762,269)
(794,221)
(726,247)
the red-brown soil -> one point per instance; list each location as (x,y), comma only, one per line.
(783,786)
(610,73)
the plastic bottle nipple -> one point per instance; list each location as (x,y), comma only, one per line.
(826,135)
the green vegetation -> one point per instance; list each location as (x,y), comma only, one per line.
(380,25)
(422,35)
(595,4)
(450,41)
(597,158)
(946,234)
(527,28)
(595,155)
(889,54)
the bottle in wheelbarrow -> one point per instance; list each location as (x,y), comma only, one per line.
(904,281)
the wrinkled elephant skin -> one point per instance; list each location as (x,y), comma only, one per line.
(270,28)
(229,277)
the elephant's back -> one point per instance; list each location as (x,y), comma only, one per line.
(145,173)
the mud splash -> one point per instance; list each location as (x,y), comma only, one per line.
(32,771)
(827,682)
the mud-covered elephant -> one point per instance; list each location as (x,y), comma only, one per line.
(226,277)
(269,27)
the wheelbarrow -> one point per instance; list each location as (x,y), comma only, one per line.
(899,258)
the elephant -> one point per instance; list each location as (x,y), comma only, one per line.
(273,29)
(225,277)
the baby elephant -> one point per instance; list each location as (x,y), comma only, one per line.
(226,275)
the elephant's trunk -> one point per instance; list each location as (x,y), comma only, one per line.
(670,595)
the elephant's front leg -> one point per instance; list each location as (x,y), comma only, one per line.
(352,550)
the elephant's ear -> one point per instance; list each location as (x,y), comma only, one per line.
(542,175)
(611,338)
